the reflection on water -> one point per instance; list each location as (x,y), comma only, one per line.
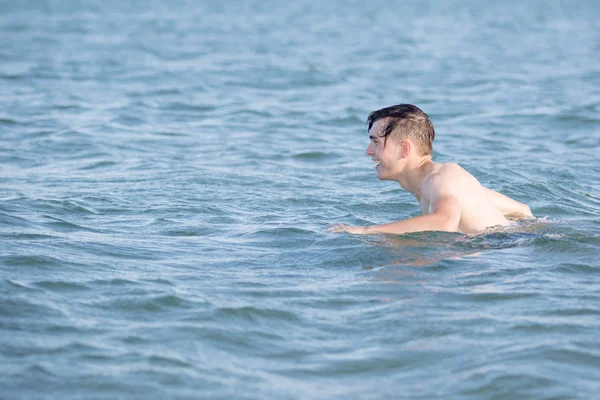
(422,249)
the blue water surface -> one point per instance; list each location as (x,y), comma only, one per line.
(168,171)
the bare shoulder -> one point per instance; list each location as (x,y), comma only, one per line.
(448,172)
(453,168)
(449,179)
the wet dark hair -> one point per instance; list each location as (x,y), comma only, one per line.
(406,121)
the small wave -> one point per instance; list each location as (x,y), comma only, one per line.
(591,120)
(170,134)
(168,361)
(68,107)
(128,121)
(36,369)
(500,240)
(113,282)
(250,313)
(22,306)
(186,231)
(283,237)
(520,233)
(22,286)
(97,165)
(11,77)
(312,155)
(498,382)
(7,121)
(351,121)
(31,261)
(66,226)
(195,108)
(15,221)
(148,303)
(576,312)
(28,236)
(482,296)
(577,268)
(61,286)
(283,231)
(63,207)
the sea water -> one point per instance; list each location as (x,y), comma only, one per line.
(168,171)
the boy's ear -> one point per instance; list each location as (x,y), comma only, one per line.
(405,148)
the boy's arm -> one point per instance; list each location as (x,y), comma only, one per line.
(445,216)
(508,206)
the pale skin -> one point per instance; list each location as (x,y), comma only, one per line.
(451,199)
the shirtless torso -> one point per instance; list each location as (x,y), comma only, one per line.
(476,206)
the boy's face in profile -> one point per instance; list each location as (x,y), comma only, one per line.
(383,150)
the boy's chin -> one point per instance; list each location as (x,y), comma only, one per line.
(386,177)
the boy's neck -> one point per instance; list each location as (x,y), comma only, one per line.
(414,174)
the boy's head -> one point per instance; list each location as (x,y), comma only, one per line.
(405,121)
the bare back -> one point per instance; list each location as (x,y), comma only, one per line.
(477,208)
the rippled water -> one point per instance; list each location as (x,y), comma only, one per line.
(168,172)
